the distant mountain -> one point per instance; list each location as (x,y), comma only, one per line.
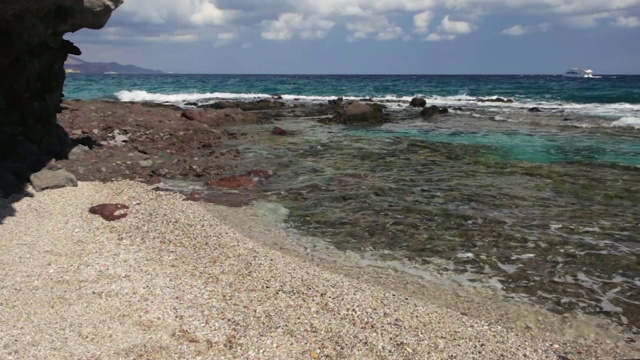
(77,66)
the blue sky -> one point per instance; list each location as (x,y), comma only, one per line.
(370,36)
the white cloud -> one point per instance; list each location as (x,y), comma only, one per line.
(455,27)
(289,24)
(440,37)
(375,19)
(390,33)
(517,30)
(587,21)
(421,22)
(627,22)
(228,36)
(209,14)
(449,30)
(380,26)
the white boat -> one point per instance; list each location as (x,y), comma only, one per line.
(579,73)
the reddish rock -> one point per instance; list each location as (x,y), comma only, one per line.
(279,131)
(195,115)
(233,182)
(154,181)
(194,196)
(247,180)
(108,211)
(260,173)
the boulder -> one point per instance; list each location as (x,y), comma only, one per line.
(430,111)
(418,102)
(354,112)
(52,178)
(534,109)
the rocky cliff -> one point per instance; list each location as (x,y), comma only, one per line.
(32,56)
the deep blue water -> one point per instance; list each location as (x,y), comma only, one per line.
(534,88)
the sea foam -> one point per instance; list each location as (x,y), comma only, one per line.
(629,121)
(140,95)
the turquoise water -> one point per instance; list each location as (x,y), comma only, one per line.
(533,148)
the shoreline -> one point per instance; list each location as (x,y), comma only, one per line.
(173,279)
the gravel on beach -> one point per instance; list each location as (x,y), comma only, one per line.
(174,280)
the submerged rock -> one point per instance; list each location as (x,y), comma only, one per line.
(247,180)
(280,131)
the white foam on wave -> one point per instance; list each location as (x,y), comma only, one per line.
(629,121)
(141,96)
(612,111)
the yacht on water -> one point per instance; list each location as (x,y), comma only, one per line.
(579,73)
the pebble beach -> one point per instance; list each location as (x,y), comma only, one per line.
(174,279)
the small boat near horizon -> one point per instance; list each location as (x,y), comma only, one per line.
(580,73)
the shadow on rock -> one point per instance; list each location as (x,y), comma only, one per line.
(20,159)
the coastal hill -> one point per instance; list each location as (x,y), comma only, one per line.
(77,66)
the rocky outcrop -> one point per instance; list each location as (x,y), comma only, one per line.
(264,104)
(418,102)
(356,112)
(32,58)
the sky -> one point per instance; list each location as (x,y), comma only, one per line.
(370,36)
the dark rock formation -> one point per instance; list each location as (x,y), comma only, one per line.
(534,109)
(430,111)
(32,72)
(418,102)
(264,104)
(355,112)
(496,100)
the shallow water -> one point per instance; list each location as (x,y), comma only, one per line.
(534,205)
(547,211)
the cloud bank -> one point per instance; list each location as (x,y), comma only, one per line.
(246,21)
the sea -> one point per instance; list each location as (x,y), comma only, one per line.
(529,185)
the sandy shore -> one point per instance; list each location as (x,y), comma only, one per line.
(175,280)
